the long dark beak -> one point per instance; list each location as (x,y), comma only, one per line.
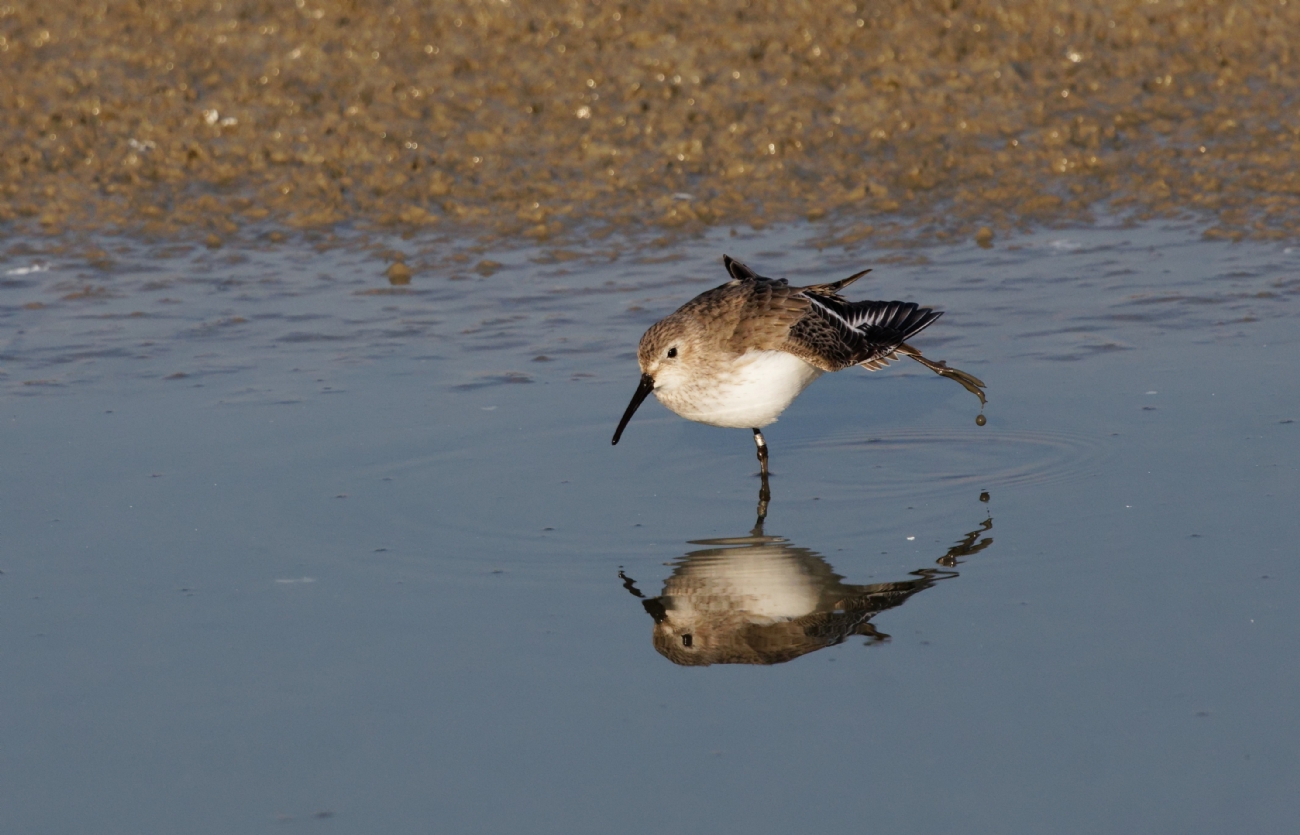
(642,392)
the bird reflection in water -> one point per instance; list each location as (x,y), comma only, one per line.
(758,599)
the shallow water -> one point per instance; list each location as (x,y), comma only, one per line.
(285,543)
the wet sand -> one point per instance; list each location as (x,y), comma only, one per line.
(555,121)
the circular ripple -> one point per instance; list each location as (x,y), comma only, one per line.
(904,459)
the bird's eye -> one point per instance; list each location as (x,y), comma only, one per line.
(672,352)
(686,640)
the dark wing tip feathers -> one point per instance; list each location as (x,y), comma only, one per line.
(887,321)
(741,272)
(834,287)
(878,322)
(917,320)
(738,270)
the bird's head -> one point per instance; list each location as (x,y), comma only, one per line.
(664,355)
(666,352)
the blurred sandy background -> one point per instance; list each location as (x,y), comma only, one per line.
(556,119)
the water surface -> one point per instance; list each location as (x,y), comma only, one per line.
(286,544)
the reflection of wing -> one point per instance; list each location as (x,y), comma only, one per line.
(760,600)
(852,615)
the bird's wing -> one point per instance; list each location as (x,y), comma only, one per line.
(813,323)
(823,338)
(835,333)
(763,314)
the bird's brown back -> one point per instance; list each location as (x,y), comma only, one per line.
(754,313)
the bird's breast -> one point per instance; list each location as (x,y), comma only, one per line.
(763,584)
(748,391)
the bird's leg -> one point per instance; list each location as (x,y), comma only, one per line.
(969,382)
(630,584)
(762,453)
(653,605)
(764,492)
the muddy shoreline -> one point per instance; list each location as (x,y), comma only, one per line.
(555,120)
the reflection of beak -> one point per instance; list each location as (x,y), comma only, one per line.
(642,392)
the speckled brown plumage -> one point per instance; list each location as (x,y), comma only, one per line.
(739,354)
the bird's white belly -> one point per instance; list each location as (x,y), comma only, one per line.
(747,393)
(762,585)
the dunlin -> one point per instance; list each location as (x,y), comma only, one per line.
(739,354)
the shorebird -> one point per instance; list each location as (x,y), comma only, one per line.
(739,354)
